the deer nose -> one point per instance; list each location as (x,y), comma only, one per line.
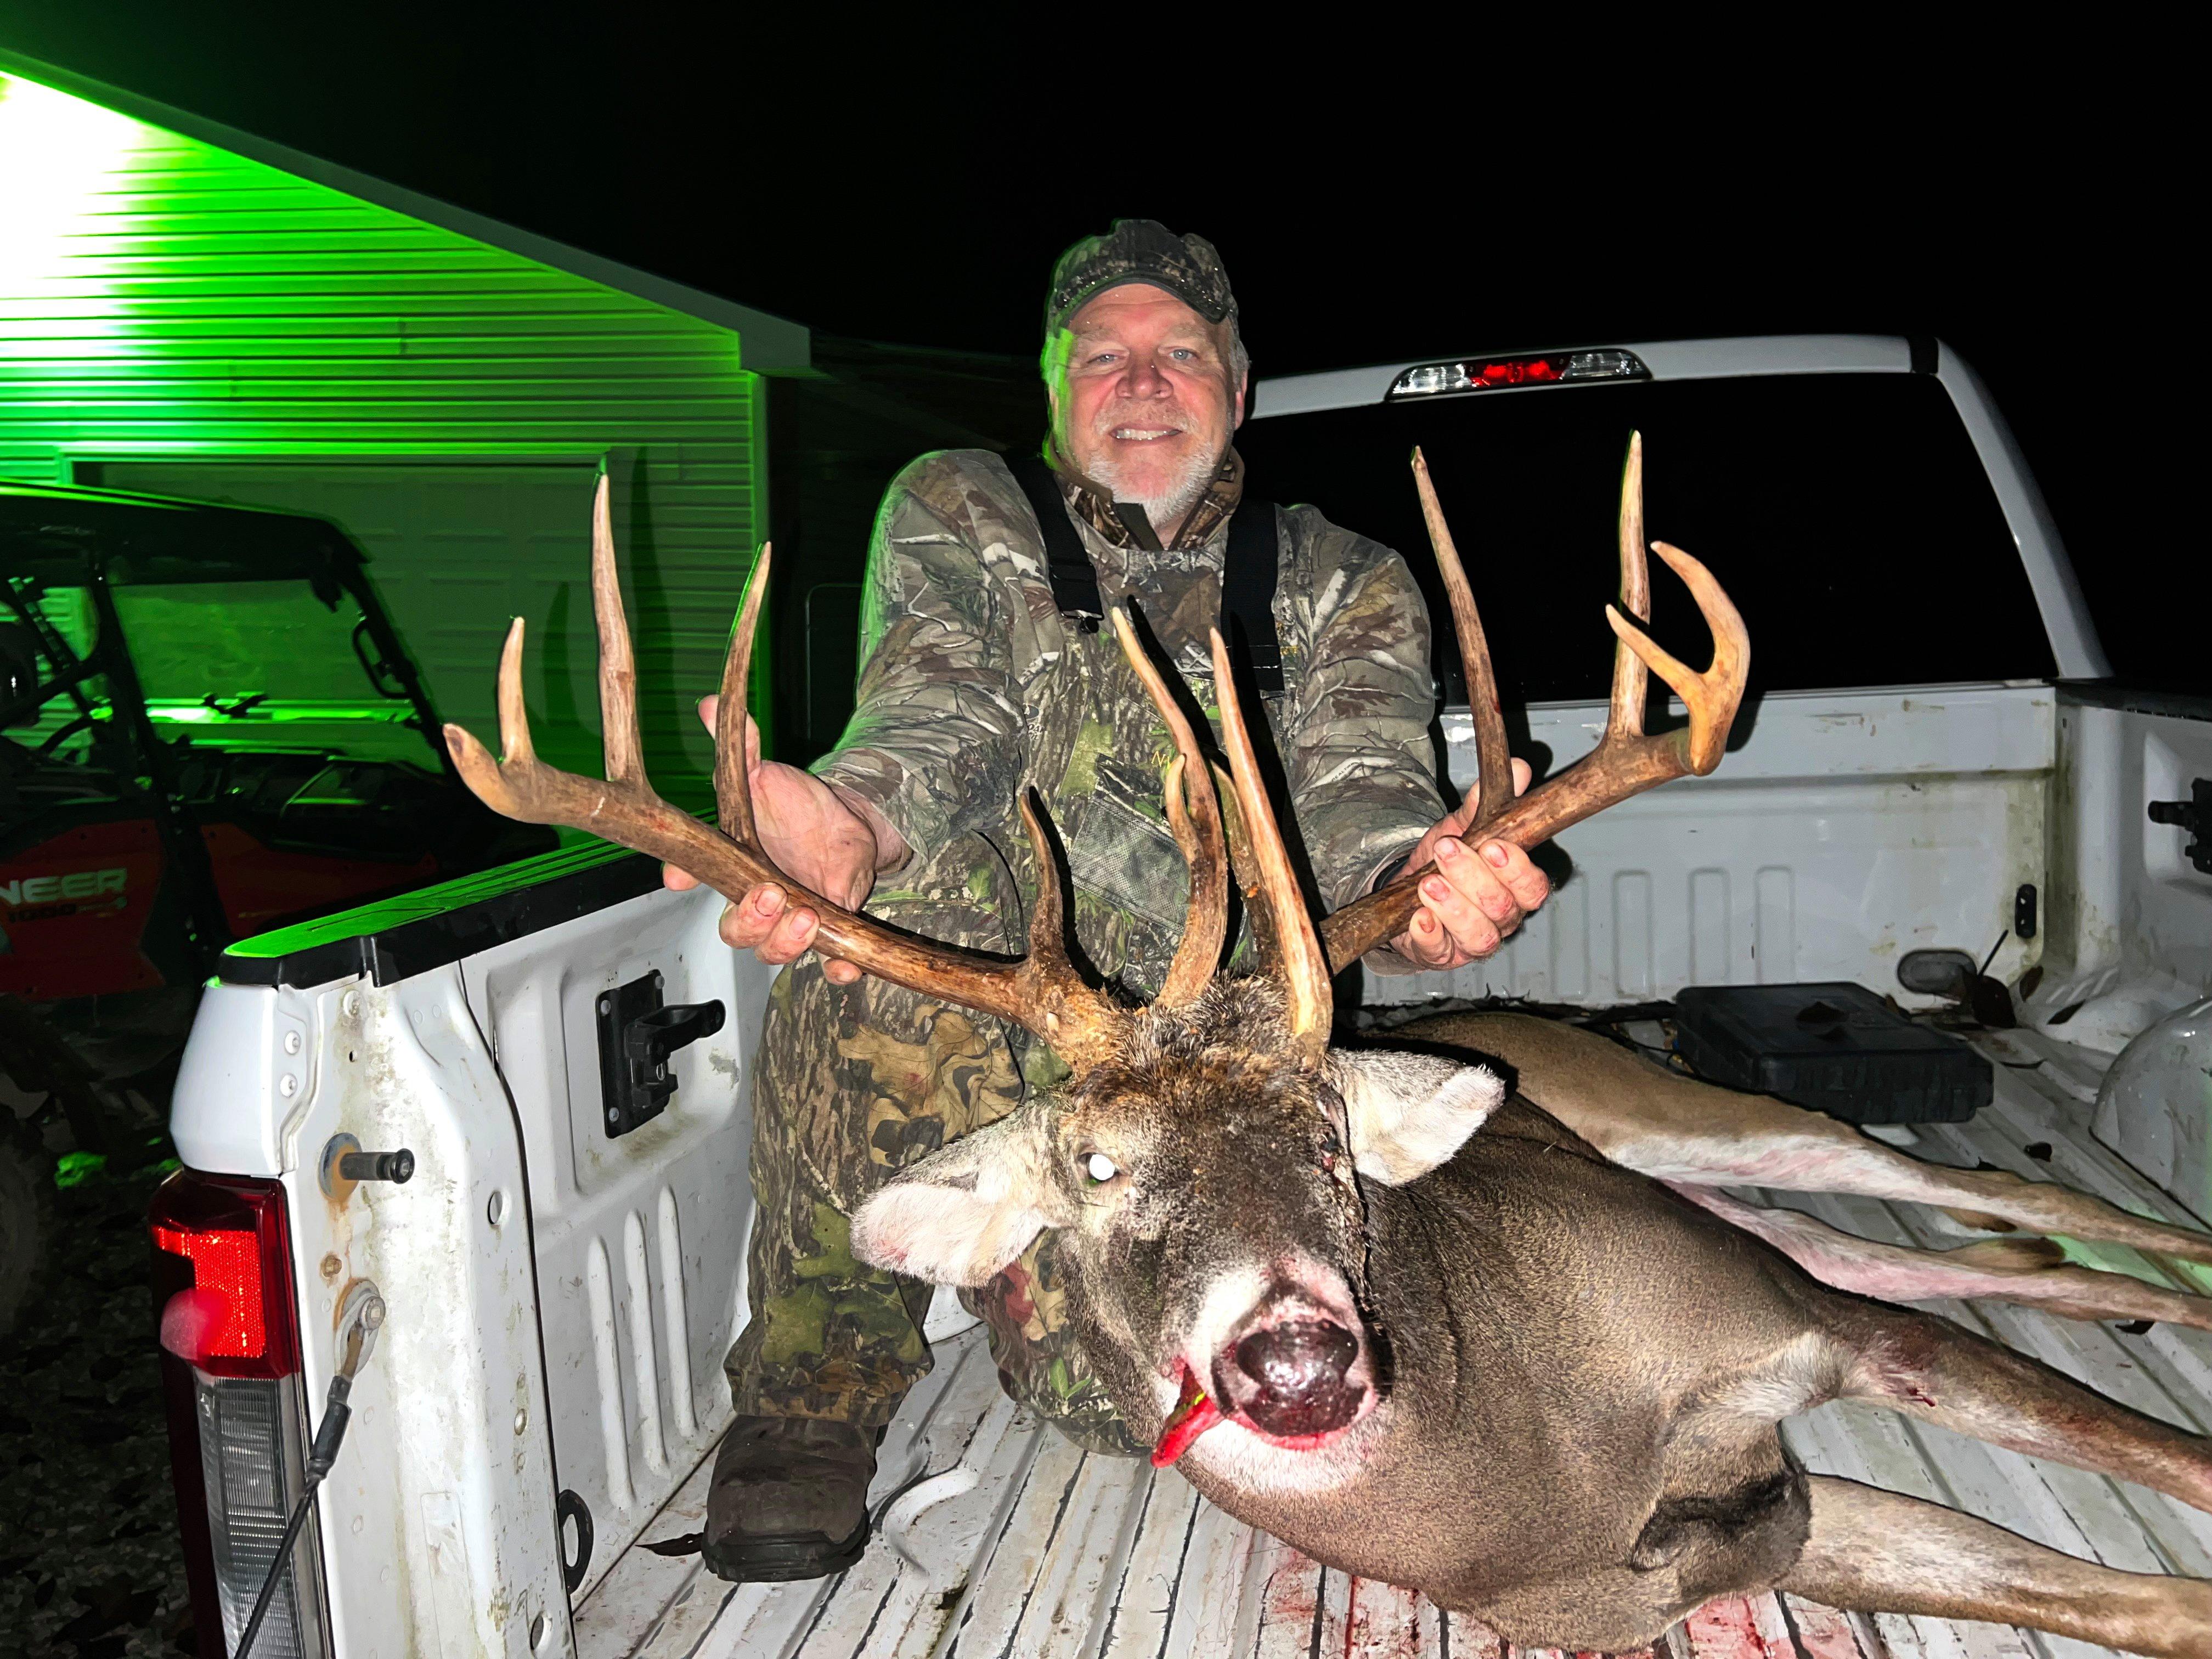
(1300,1377)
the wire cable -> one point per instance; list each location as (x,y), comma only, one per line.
(336,1413)
(276,1567)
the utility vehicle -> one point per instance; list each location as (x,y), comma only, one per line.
(208,728)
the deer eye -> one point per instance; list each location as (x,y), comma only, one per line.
(1332,1152)
(1098,1169)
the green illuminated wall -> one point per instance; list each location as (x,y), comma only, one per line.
(171,309)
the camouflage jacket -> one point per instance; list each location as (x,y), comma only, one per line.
(973,685)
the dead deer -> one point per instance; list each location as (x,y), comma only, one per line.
(1453,1361)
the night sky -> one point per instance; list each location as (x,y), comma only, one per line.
(911,183)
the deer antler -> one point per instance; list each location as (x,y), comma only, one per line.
(1297,958)
(1626,761)
(1493,761)
(1194,814)
(1041,991)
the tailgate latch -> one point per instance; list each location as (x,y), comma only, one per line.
(2193,814)
(637,1035)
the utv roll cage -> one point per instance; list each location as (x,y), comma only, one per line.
(55,536)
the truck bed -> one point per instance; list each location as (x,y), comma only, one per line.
(999,1539)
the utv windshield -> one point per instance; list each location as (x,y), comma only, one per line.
(1846,514)
(235,647)
(264,660)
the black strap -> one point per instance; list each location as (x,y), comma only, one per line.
(1248,572)
(1251,565)
(1074,578)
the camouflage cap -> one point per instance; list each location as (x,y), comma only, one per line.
(1139,251)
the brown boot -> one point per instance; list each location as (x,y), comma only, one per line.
(789,1500)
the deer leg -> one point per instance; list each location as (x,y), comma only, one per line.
(1930,1368)
(1647,1118)
(1878,1552)
(1826,1155)
(2033,1271)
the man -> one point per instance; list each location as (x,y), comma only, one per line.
(985,669)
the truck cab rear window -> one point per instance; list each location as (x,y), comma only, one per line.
(1846,514)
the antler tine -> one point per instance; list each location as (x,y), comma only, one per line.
(514,712)
(1083,1027)
(1302,966)
(1627,713)
(733,795)
(1493,760)
(1712,696)
(1048,962)
(485,776)
(1048,923)
(1041,992)
(1194,814)
(624,753)
(1626,761)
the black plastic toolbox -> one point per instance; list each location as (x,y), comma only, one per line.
(1837,1049)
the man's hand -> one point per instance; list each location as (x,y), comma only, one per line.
(827,838)
(1475,897)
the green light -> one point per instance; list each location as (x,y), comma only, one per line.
(198,714)
(59,157)
(190,315)
(75,1169)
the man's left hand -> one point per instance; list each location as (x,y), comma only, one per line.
(1475,897)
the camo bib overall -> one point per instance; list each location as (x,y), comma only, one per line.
(975,683)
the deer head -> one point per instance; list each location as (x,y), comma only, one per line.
(1202,1164)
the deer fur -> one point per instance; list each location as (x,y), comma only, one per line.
(1556,1445)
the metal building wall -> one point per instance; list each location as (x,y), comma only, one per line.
(163,298)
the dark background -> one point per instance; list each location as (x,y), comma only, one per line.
(910,181)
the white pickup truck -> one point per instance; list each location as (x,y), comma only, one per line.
(1932,758)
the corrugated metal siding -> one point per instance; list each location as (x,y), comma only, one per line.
(161,297)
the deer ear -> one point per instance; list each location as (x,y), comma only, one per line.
(967,1210)
(1406,1114)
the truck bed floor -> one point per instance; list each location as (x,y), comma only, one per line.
(998,1539)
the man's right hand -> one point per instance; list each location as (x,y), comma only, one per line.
(823,837)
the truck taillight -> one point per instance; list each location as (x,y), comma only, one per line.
(230,1373)
(1529,369)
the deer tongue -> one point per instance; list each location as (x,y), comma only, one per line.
(1194,1414)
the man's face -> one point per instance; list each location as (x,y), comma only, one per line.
(1142,400)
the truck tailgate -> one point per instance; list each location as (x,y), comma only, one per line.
(638,1238)
(560,1296)
(1844,830)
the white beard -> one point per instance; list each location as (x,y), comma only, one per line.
(1169,500)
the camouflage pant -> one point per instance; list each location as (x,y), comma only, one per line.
(852,1082)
